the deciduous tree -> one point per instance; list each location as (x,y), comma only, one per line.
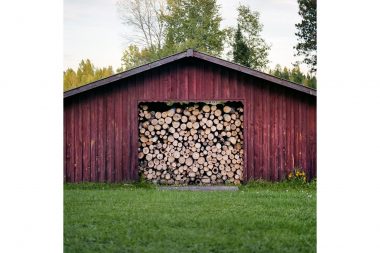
(145,16)
(307,33)
(193,24)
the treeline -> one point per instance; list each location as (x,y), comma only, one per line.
(85,73)
(165,27)
(295,75)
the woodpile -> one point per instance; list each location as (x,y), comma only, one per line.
(196,143)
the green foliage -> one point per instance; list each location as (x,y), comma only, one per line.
(281,186)
(70,79)
(307,33)
(193,24)
(187,24)
(295,75)
(297,175)
(240,49)
(86,73)
(133,57)
(254,219)
(251,28)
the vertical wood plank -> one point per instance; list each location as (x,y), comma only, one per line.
(145,88)
(283,136)
(131,87)
(182,85)
(200,80)
(101,137)
(279,134)
(304,133)
(93,136)
(249,118)
(110,141)
(266,132)
(272,147)
(70,151)
(258,131)
(184,81)
(86,138)
(173,81)
(65,143)
(225,92)
(125,130)
(118,135)
(292,132)
(78,141)
(233,84)
(217,81)
(192,81)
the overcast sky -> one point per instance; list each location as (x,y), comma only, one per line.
(93,30)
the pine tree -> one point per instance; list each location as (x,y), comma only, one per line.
(285,74)
(251,28)
(240,49)
(296,75)
(277,71)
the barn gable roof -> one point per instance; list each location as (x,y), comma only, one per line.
(190,53)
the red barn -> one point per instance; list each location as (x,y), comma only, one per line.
(101,118)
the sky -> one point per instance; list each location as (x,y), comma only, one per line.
(93,30)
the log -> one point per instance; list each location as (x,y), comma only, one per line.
(226,117)
(168,120)
(206,108)
(195,155)
(189,161)
(183,119)
(192,118)
(227,109)
(177,117)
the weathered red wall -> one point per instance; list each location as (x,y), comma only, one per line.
(100,137)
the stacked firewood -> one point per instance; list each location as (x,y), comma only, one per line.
(194,144)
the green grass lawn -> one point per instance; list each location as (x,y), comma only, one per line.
(260,217)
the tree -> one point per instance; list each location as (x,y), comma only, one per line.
(85,72)
(101,73)
(240,49)
(70,79)
(277,71)
(311,81)
(285,74)
(193,24)
(296,75)
(146,17)
(307,33)
(249,23)
(133,57)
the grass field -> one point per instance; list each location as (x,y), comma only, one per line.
(260,217)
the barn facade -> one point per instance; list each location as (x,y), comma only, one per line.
(101,119)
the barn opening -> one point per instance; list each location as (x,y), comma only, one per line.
(191,142)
